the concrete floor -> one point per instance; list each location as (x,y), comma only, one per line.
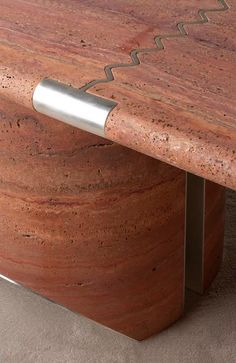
(35,330)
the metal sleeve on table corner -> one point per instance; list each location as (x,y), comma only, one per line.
(72,106)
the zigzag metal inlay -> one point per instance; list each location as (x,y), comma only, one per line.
(134,54)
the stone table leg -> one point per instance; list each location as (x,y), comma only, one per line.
(91,225)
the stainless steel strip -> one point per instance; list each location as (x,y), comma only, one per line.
(135,53)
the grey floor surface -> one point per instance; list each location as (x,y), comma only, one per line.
(35,330)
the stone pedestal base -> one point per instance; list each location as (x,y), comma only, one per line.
(99,228)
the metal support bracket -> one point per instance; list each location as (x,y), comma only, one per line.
(195,221)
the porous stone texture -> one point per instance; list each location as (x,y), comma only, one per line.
(178,105)
(35,330)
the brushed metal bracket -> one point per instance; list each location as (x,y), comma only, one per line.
(195,232)
(72,106)
(3,277)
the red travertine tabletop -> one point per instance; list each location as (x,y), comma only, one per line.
(178,105)
(97,227)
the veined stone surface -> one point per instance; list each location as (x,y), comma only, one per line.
(178,105)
